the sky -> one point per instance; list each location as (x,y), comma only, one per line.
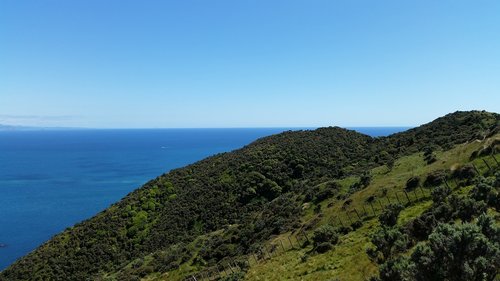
(246,63)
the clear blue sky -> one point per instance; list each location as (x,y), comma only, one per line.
(246,63)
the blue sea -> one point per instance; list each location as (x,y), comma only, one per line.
(52,179)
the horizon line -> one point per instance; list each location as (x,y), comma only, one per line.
(25,127)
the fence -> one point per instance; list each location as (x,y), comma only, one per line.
(345,217)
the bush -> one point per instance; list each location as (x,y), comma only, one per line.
(365,179)
(389,241)
(457,252)
(324,234)
(357,224)
(439,194)
(421,227)
(328,191)
(324,247)
(236,276)
(390,215)
(429,155)
(460,252)
(430,159)
(483,191)
(465,208)
(396,269)
(465,172)
(412,183)
(435,178)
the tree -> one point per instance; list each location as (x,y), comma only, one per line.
(439,194)
(365,179)
(412,183)
(324,238)
(397,269)
(484,191)
(388,241)
(390,215)
(457,252)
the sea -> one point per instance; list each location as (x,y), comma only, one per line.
(52,179)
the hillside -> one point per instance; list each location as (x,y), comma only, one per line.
(312,205)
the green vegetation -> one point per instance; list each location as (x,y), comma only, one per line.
(227,208)
(450,251)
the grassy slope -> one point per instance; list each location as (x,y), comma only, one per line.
(348,260)
(322,152)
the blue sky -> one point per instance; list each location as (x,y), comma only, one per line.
(258,63)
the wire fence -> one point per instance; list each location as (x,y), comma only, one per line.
(347,216)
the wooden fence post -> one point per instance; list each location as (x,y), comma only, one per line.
(349,217)
(494,158)
(373,209)
(305,235)
(218,271)
(265,252)
(297,239)
(446,182)
(487,165)
(282,246)
(475,168)
(271,250)
(397,197)
(422,190)
(381,206)
(230,267)
(415,193)
(338,217)
(290,240)
(364,210)
(356,211)
(407,197)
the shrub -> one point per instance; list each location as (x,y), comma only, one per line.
(390,215)
(396,269)
(422,226)
(435,178)
(465,208)
(483,191)
(324,247)
(357,224)
(365,179)
(439,194)
(464,172)
(412,183)
(457,252)
(389,241)
(324,234)
(430,159)
(328,191)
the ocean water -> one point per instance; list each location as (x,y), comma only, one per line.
(50,180)
(379,131)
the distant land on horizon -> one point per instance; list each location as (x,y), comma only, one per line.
(34,128)
(362,129)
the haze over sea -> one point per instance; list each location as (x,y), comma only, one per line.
(52,179)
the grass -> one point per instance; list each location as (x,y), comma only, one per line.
(348,260)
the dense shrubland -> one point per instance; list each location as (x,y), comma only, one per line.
(445,249)
(229,204)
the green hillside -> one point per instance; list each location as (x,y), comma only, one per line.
(327,204)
